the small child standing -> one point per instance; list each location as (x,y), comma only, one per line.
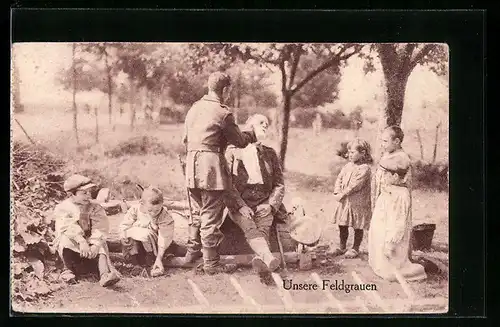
(353,192)
(147,230)
(81,229)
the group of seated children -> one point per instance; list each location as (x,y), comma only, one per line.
(82,226)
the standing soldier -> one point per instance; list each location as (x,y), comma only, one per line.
(209,128)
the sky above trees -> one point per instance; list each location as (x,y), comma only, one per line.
(39,63)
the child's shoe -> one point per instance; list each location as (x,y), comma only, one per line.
(351,254)
(68,276)
(108,279)
(337,252)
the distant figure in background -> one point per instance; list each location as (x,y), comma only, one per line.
(81,231)
(146,231)
(209,128)
(317,124)
(390,230)
(353,191)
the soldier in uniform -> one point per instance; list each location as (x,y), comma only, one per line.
(209,128)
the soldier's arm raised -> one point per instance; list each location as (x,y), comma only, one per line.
(234,135)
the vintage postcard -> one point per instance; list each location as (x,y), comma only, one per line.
(230,178)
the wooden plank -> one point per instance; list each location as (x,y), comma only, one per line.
(374,294)
(198,294)
(332,299)
(247,298)
(244,260)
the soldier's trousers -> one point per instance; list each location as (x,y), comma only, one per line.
(208,223)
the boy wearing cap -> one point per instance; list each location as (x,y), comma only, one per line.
(81,228)
(147,230)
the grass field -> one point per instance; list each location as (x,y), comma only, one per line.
(310,163)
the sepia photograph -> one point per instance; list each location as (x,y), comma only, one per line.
(229,178)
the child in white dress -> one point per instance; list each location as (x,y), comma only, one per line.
(390,231)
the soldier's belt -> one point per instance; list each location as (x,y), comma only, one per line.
(205,148)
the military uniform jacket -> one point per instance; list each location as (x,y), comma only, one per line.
(209,128)
(271,192)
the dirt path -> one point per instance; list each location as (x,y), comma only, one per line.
(169,294)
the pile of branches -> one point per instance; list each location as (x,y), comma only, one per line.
(37,186)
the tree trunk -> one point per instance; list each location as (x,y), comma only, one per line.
(96,125)
(16,99)
(284,121)
(110,89)
(132,104)
(436,139)
(75,112)
(419,138)
(396,88)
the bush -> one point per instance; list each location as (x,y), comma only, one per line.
(427,175)
(337,120)
(304,118)
(140,145)
(171,115)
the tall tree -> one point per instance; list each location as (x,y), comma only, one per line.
(73,78)
(16,89)
(285,58)
(398,61)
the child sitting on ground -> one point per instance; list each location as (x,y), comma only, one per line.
(147,231)
(353,192)
(81,229)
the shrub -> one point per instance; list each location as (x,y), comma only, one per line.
(337,120)
(427,175)
(304,117)
(140,145)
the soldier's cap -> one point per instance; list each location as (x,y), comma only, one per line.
(78,182)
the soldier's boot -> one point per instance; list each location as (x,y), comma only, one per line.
(212,264)
(264,261)
(194,245)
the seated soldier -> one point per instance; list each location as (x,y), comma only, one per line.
(257,194)
(147,230)
(81,229)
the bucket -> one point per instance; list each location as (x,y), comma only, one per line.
(422,236)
